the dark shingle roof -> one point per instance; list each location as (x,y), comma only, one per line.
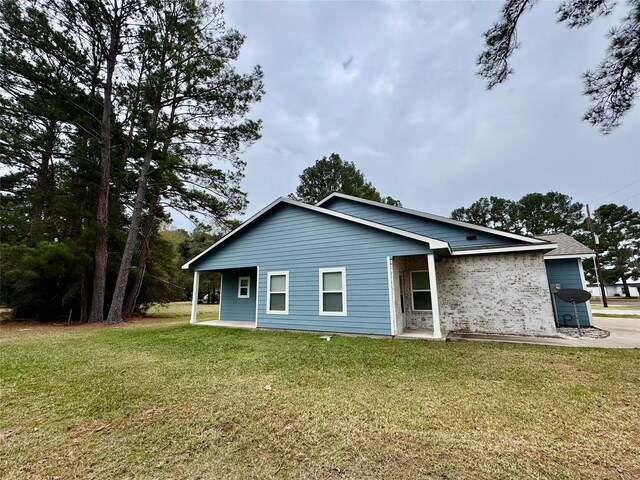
(566,246)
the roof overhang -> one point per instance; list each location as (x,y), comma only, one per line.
(566,257)
(434,243)
(510,249)
(437,218)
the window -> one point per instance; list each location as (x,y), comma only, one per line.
(278,292)
(244,287)
(421,291)
(333,291)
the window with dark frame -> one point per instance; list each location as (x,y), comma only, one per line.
(421,291)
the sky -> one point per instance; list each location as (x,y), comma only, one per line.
(391,86)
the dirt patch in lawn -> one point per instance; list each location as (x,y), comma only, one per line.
(77,431)
(30,327)
(150,413)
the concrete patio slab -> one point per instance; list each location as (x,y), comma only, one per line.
(419,334)
(227,323)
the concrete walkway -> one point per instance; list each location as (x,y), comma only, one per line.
(623,333)
(613,311)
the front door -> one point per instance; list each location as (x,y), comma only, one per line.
(399,303)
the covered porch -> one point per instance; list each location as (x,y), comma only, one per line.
(414,297)
(238,294)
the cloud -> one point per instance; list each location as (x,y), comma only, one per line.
(392,87)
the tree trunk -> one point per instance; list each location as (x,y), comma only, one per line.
(147,231)
(84,299)
(115,311)
(625,287)
(44,182)
(102,215)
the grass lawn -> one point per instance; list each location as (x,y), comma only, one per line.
(176,401)
(600,311)
(615,307)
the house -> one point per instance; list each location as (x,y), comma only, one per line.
(616,289)
(356,266)
(564,269)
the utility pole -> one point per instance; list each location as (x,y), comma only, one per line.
(603,290)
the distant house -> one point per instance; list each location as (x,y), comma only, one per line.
(356,266)
(616,289)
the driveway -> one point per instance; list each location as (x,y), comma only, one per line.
(624,333)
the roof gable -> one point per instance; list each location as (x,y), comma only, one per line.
(433,243)
(460,235)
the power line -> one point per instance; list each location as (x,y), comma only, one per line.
(628,198)
(618,190)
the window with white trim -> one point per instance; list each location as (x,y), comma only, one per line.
(420,291)
(333,291)
(278,293)
(244,287)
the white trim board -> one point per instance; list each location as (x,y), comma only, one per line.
(519,248)
(567,257)
(220,297)
(436,218)
(583,280)
(257,291)
(392,295)
(433,243)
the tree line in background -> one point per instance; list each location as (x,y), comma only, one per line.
(617,228)
(112,113)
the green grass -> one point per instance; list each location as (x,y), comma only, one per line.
(174,401)
(615,315)
(616,307)
(612,299)
(182,311)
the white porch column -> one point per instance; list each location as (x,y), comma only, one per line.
(392,296)
(431,266)
(194,298)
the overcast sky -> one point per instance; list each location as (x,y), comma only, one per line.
(392,87)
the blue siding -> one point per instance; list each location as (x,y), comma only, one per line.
(455,235)
(566,272)
(301,242)
(232,307)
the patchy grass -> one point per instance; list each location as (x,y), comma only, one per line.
(597,300)
(173,401)
(182,311)
(616,307)
(159,314)
(615,315)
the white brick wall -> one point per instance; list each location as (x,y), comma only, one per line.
(499,293)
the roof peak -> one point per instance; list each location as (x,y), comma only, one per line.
(431,216)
